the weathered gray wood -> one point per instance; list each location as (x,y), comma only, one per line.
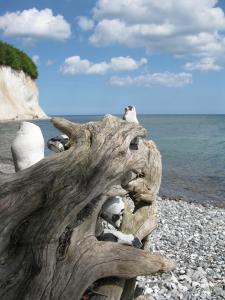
(142,222)
(48,213)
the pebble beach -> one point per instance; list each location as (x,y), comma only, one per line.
(194,236)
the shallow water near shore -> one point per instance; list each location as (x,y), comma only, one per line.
(192,149)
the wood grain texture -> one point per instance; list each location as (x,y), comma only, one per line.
(48,213)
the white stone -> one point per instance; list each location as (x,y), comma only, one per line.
(195,284)
(148,291)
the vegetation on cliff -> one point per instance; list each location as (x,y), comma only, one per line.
(17,60)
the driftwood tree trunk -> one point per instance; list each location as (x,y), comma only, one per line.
(48,213)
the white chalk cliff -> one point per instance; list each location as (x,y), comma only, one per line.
(19,96)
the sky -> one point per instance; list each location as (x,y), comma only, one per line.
(98,56)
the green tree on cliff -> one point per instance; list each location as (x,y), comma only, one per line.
(17,60)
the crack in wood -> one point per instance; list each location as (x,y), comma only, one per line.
(64,242)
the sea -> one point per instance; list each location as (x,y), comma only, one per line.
(192,149)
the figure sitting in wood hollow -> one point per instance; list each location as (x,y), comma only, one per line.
(110,220)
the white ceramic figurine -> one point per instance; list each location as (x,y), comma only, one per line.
(28,146)
(130,114)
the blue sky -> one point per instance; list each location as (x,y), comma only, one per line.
(98,56)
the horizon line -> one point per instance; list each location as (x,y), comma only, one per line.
(146,114)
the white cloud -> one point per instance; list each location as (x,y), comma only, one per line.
(204,64)
(75,65)
(178,27)
(155,79)
(85,23)
(127,63)
(34,23)
(36,59)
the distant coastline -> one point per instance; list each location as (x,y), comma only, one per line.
(24,119)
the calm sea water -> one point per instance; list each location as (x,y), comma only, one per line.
(192,148)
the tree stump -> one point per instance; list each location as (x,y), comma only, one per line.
(48,213)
